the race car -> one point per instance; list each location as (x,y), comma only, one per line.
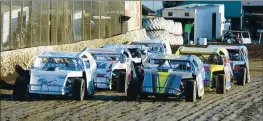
(115,69)
(135,51)
(58,73)
(217,66)
(170,75)
(239,62)
(154,46)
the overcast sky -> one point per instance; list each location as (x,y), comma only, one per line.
(149,4)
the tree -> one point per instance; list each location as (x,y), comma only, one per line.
(168,4)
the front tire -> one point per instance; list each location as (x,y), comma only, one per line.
(78,89)
(221,84)
(243,76)
(20,89)
(190,91)
(121,82)
(132,91)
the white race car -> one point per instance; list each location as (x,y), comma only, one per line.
(135,50)
(59,73)
(154,47)
(115,68)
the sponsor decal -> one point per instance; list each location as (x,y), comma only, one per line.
(43,81)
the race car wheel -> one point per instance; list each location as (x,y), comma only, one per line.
(121,82)
(220,84)
(243,76)
(132,93)
(20,89)
(143,96)
(190,91)
(78,89)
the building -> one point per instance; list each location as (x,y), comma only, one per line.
(147,12)
(15,19)
(253,17)
(232,11)
(61,22)
(208,19)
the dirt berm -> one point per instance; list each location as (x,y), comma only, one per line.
(24,57)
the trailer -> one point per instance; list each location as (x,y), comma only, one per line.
(208,19)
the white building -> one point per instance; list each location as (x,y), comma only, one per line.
(208,19)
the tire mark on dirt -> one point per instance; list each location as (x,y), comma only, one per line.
(216,110)
(193,108)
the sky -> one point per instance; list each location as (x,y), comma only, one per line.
(149,4)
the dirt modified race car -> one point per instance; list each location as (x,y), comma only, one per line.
(217,66)
(170,75)
(155,46)
(239,62)
(58,73)
(115,68)
(135,51)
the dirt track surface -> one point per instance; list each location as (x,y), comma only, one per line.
(240,103)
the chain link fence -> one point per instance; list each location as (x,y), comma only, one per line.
(40,23)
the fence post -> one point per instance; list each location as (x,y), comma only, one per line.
(48,27)
(82,24)
(90,20)
(99,19)
(56,35)
(10,26)
(40,27)
(63,25)
(30,20)
(72,20)
(21,24)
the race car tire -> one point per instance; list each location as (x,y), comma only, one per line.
(20,89)
(190,91)
(243,76)
(133,91)
(220,84)
(78,89)
(121,82)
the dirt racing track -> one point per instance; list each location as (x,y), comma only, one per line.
(242,103)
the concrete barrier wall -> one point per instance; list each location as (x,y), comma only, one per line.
(24,57)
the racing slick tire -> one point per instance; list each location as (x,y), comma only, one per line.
(243,77)
(20,89)
(220,84)
(78,89)
(121,82)
(133,90)
(190,91)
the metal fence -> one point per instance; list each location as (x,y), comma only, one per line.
(40,23)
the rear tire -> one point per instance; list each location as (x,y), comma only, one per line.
(190,91)
(133,91)
(20,89)
(121,82)
(221,84)
(243,76)
(78,89)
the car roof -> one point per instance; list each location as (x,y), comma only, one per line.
(154,41)
(122,46)
(228,46)
(59,54)
(198,50)
(105,50)
(171,57)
